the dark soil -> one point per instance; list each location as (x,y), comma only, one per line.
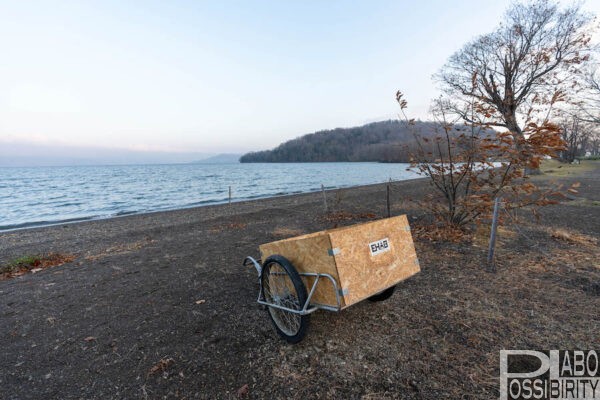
(159,306)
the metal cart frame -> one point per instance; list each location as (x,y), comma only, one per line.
(307,308)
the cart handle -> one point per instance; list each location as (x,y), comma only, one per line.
(250,260)
(307,307)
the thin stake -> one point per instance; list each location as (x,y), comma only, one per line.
(324,197)
(492,247)
(389,212)
(229,194)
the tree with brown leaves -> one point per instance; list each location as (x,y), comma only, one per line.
(469,165)
(531,59)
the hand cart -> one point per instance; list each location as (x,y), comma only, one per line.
(340,267)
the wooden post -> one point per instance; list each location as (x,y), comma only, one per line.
(324,197)
(229,194)
(492,247)
(389,212)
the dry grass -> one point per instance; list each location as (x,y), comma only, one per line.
(123,248)
(33,264)
(481,235)
(527,303)
(559,169)
(236,226)
(284,232)
(572,237)
(439,233)
(343,216)
(583,202)
(161,366)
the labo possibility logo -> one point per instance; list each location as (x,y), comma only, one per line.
(552,374)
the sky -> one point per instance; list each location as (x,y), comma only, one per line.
(191,78)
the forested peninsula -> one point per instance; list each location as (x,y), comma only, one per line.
(384,141)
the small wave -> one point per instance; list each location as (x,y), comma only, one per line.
(121,213)
(68,204)
(204,202)
(256,196)
(44,223)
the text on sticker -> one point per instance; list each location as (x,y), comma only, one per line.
(380,246)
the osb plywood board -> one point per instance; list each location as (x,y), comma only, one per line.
(308,253)
(362,272)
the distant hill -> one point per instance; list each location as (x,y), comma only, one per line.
(385,141)
(225,158)
(30,154)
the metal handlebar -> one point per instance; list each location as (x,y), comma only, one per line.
(250,260)
(307,307)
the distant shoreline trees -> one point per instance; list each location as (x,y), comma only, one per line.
(385,141)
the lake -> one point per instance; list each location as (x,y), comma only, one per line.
(48,195)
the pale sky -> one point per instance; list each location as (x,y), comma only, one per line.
(220,76)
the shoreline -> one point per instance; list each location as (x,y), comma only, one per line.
(97,235)
(42,224)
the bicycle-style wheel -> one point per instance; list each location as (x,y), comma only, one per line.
(384,295)
(283,287)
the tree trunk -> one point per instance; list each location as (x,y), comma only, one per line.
(520,142)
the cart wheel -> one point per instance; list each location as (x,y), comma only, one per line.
(281,285)
(384,295)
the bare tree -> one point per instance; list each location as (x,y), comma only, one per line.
(576,134)
(528,61)
(469,164)
(594,80)
(593,145)
(590,107)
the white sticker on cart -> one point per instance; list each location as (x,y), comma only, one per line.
(380,246)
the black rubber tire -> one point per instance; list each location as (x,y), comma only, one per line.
(381,296)
(300,290)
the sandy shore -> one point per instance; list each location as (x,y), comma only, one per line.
(99,326)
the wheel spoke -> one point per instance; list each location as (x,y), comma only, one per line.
(279,290)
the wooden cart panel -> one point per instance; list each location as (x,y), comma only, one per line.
(309,253)
(364,271)
(364,259)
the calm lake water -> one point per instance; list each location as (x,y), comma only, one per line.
(48,195)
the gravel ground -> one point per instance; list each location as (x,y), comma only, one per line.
(159,306)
